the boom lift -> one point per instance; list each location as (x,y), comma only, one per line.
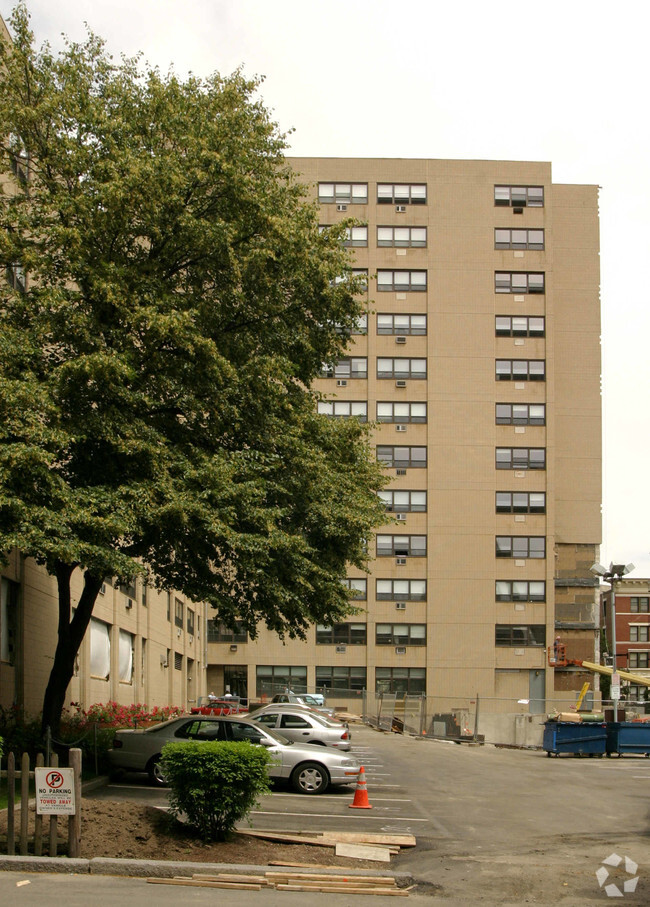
(557,659)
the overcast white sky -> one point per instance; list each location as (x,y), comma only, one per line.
(565,82)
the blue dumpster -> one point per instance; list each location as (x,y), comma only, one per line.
(628,737)
(589,738)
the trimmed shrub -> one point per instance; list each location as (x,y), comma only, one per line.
(215,784)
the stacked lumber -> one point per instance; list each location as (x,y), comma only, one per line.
(286,880)
(358,845)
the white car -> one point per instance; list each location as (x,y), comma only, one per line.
(303,726)
(310,769)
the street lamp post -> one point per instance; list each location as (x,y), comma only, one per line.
(611,575)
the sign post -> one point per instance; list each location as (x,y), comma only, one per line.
(55,791)
(616,686)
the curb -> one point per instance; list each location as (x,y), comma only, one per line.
(162,869)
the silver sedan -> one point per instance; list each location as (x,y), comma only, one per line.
(309,769)
(303,726)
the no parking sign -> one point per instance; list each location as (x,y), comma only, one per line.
(54,791)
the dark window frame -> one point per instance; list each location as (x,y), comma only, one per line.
(504,419)
(395,639)
(401,199)
(512,596)
(516,548)
(401,329)
(520,635)
(512,331)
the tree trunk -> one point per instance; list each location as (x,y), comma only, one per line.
(69,639)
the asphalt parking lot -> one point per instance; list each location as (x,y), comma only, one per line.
(494,825)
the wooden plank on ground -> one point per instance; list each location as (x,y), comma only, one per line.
(363,852)
(331,877)
(200,883)
(359,837)
(297,865)
(386,892)
(230,877)
(285,839)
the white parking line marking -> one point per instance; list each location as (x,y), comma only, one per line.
(264,812)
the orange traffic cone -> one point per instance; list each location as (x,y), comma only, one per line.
(361,793)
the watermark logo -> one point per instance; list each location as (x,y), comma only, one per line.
(629,885)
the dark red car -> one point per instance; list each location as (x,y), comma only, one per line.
(218,705)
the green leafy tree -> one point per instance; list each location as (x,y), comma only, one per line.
(156,410)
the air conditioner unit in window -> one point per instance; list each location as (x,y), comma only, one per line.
(401,517)
(400,650)
(400,340)
(400,472)
(400,427)
(517,210)
(341,207)
(400,209)
(128,604)
(400,383)
(401,606)
(163,662)
(342,383)
(340,650)
(400,561)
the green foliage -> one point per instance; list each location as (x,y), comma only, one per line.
(156,410)
(215,784)
(21,734)
(155,404)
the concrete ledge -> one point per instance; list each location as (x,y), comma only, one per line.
(45,864)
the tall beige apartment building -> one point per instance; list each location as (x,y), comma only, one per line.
(479,365)
(479,362)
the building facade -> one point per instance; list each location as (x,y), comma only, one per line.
(479,362)
(632,612)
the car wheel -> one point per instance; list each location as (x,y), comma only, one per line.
(155,772)
(310,778)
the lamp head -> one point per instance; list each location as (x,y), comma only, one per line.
(598,569)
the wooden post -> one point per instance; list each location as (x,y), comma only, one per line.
(54,763)
(24,805)
(74,821)
(38,819)
(11,805)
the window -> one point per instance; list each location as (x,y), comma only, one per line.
(401,680)
(520,326)
(401,634)
(639,604)
(125,657)
(401,194)
(518,282)
(414,457)
(518,239)
(520,370)
(128,588)
(520,458)
(414,237)
(638,659)
(344,409)
(520,414)
(100,649)
(219,632)
(401,412)
(528,635)
(521,502)
(395,590)
(356,237)
(521,546)
(520,590)
(178,613)
(341,680)
(404,501)
(639,633)
(16,278)
(144,592)
(271,678)
(169,606)
(190,621)
(351,367)
(519,196)
(401,368)
(402,324)
(357,587)
(396,545)
(341,634)
(18,157)
(178,661)
(343,193)
(9,596)
(402,281)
